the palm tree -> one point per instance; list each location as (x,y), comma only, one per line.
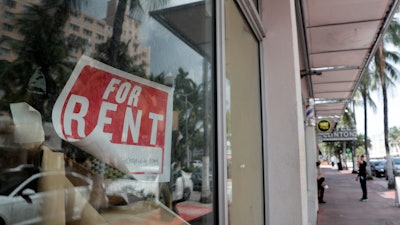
(386,73)
(347,120)
(364,92)
(123,61)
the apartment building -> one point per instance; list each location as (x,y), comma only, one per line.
(94,31)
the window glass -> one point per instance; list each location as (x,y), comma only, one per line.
(243,103)
(109,111)
(10,3)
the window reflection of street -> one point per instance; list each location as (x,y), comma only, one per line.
(98,193)
(34,193)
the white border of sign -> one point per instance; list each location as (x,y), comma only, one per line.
(109,152)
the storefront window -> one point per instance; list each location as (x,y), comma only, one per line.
(244,125)
(110,130)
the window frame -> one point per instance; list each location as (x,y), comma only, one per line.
(253,17)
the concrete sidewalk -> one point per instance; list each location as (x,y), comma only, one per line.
(343,205)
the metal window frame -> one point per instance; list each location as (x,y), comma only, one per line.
(253,17)
(221,112)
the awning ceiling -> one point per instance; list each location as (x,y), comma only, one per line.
(339,39)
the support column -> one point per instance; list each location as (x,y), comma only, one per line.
(312,190)
(285,133)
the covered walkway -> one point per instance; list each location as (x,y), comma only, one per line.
(344,208)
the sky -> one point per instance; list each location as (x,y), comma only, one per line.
(375,119)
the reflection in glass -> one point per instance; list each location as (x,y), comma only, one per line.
(169,43)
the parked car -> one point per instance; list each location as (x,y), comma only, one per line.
(126,190)
(197,163)
(378,168)
(182,187)
(396,166)
(24,200)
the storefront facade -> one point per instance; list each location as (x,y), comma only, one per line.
(169,112)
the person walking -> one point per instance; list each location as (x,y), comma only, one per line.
(362,175)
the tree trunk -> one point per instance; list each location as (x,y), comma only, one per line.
(365,99)
(117,32)
(344,155)
(353,158)
(205,187)
(389,169)
(369,174)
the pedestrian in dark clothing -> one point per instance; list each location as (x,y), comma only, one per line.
(362,175)
(321,184)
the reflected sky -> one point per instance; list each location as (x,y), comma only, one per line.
(168,52)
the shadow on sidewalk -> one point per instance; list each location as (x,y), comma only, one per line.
(343,205)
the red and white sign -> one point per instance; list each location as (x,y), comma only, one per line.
(120,118)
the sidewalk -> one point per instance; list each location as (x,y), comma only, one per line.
(343,205)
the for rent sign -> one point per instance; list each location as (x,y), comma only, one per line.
(120,118)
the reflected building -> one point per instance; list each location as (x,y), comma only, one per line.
(92,31)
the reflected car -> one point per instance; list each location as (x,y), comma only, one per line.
(182,186)
(127,190)
(395,166)
(26,199)
(378,168)
(197,163)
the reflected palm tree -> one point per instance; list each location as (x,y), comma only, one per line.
(123,61)
(136,9)
(187,100)
(40,67)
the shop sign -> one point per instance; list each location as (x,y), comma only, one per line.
(324,125)
(122,119)
(339,134)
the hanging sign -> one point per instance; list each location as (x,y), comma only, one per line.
(122,119)
(339,134)
(324,125)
